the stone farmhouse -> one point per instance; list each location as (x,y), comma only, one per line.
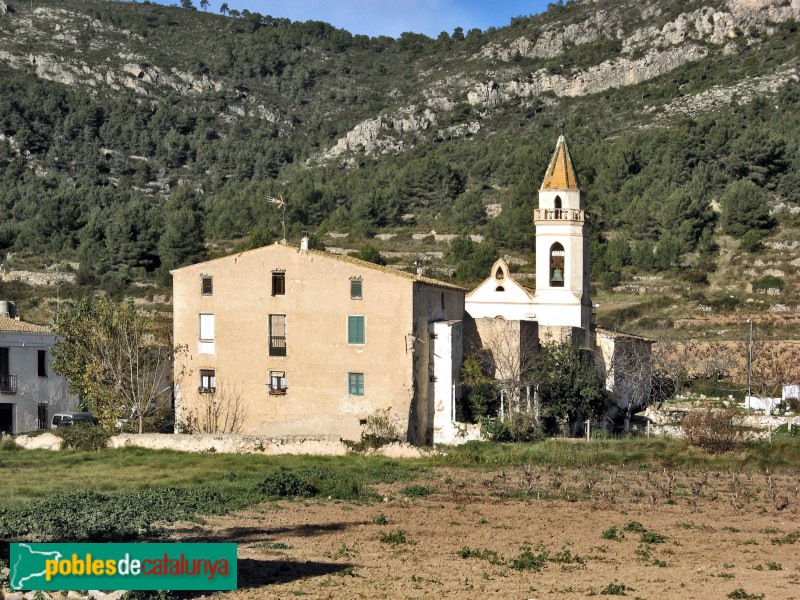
(285,340)
(30,393)
(305,342)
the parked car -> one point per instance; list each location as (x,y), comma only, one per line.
(72,418)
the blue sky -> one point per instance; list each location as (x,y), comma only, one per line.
(391,17)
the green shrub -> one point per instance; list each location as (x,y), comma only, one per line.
(8,444)
(394,538)
(768,282)
(612,533)
(89,516)
(740,594)
(417,491)
(484,399)
(635,527)
(86,438)
(381,429)
(285,484)
(516,428)
(330,483)
(530,561)
(615,589)
(651,537)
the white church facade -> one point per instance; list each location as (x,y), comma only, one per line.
(560,306)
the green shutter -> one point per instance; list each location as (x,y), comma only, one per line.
(355,384)
(355,330)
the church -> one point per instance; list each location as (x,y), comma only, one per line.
(511,322)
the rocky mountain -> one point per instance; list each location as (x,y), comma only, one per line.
(136,137)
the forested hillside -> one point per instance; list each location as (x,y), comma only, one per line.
(135,137)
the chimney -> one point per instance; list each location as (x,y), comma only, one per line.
(304,241)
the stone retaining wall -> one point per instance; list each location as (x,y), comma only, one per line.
(320,445)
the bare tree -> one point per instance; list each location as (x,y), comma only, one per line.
(220,411)
(627,365)
(508,350)
(773,365)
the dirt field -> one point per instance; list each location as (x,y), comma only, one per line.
(527,533)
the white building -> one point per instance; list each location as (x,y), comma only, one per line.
(513,320)
(30,393)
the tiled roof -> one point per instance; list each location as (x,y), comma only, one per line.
(8,324)
(385,269)
(340,258)
(560,174)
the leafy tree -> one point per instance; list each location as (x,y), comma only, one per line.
(569,387)
(112,360)
(182,240)
(618,253)
(370,253)
(224,8)
(744,208)
(472,261)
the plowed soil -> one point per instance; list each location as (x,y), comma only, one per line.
(526,533)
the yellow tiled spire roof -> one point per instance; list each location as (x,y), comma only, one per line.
(561,175)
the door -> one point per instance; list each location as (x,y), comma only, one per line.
(6,418)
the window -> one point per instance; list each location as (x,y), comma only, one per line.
(355,384)
(207,285)
(8,382)
(206,334)
(355,329)
(557,265)
(277,383)
(355,289)
(278,283)
(277,335)
(208,381)
(42,362)
(41,416)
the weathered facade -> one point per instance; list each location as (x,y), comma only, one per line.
(30,393)
(306,342)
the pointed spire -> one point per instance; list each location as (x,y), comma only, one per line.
(561,175)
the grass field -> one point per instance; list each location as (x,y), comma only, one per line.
(35,474)
(497,520)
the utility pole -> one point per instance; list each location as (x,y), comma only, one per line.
(750,368)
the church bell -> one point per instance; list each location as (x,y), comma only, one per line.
(558,276)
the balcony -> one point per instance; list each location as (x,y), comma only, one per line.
(278,391)
(559,214)
(207,390)
(8,384)
(277,345)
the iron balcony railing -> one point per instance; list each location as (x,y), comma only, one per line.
(277,345)
(8,384)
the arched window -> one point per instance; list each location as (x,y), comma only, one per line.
(557,207)
(499,273)
(557,265)
(499,288)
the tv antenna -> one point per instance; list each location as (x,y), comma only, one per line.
(280,202)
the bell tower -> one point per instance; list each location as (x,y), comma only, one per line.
(562,251)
